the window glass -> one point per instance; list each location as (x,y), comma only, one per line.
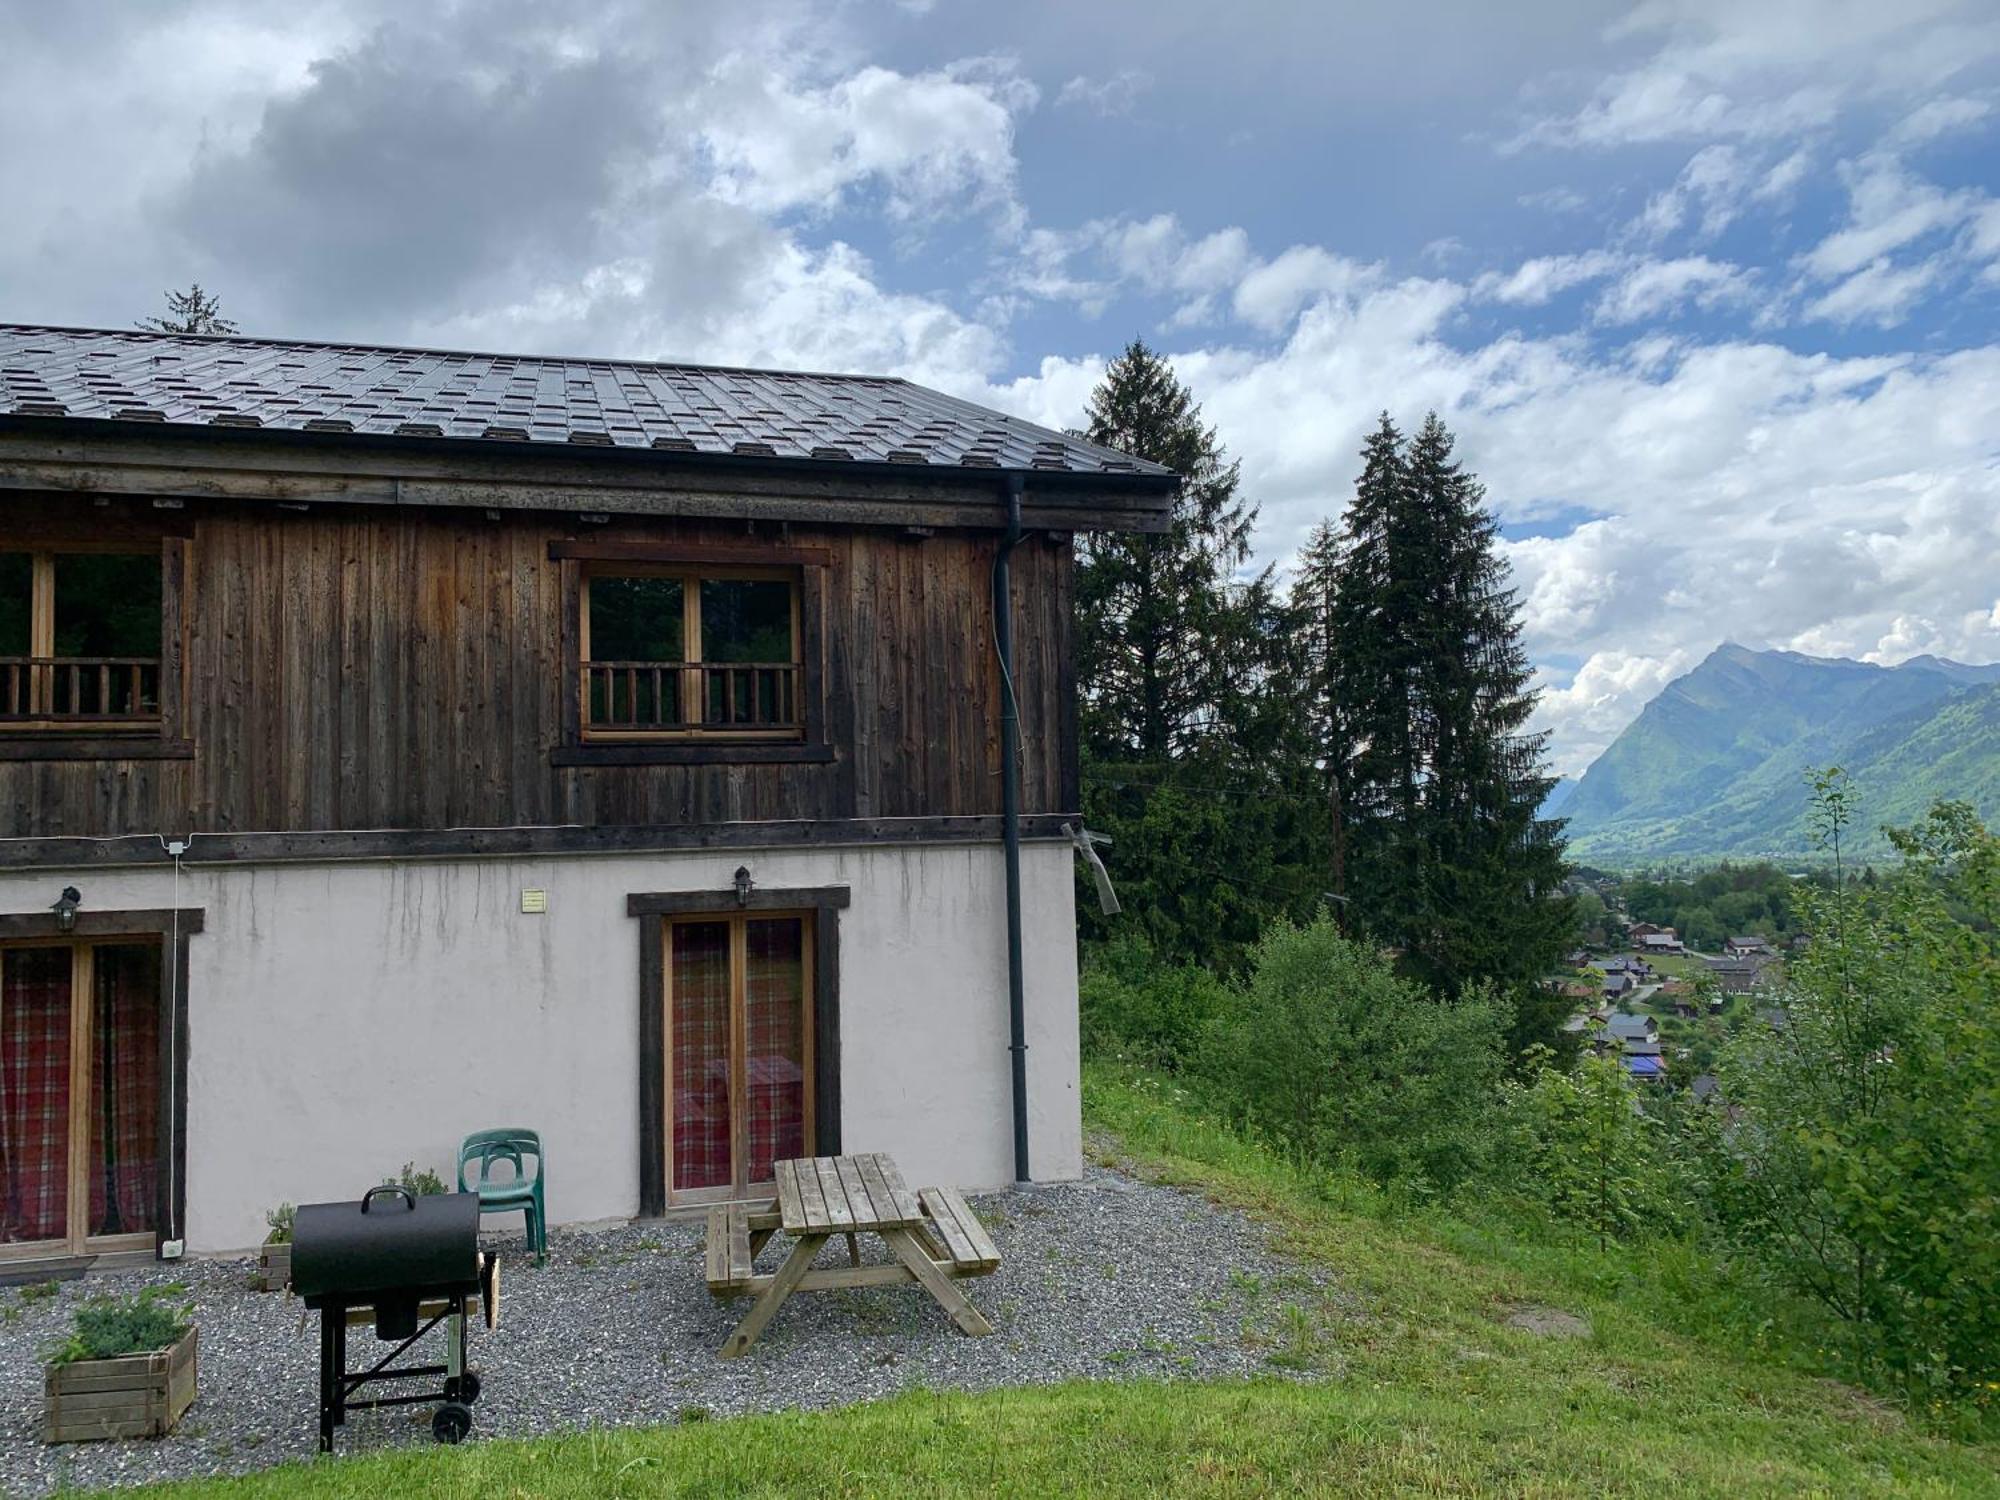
(774,1042)
(34,1094)
(636,619)
(17,583)
(701,1023)
(107,604)
(124,1088)
(746,620)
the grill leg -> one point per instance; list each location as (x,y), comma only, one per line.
(329,1378)
(341,1369)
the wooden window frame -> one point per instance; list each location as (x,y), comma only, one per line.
(100,928)
(820,907)
(160,736)
(802,567)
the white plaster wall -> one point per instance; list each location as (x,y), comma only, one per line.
(347,1018)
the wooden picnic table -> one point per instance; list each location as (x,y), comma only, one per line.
(933,1234)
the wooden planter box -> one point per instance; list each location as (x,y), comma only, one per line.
(274,1267)
(133,1395)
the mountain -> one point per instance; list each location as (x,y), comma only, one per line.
(1558,798)
(1715,764)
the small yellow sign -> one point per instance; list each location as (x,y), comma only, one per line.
(534,903)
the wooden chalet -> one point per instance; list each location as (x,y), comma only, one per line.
(395,743)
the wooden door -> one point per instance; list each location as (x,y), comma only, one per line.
(80,1091)
(739,1065)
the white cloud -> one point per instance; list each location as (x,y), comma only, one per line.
(1936,117)
(1716,179)
(1878,293)
(1271,294)
(1214,272)
(1534,282)
(1586,713)
(1114,95)
(1887,210)
(1721,69)
(1555,200)
(1659,288)
(932,139)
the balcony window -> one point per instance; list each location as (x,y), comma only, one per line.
(673,652)
(80,641)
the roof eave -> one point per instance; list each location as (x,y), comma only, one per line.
(1075,487)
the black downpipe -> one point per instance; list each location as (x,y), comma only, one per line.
(1010,817)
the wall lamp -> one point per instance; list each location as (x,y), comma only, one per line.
(65,908)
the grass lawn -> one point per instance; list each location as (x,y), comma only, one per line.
(1416,1384)
(1676,965)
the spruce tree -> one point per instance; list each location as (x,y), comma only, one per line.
(1441,778)
(1157,615)
(191,311)
(1181,733)
(1313,632)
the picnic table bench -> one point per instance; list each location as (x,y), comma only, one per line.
(934,1235)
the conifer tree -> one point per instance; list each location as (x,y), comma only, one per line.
(1157,615)
(1440,779)
(191,311)
(1181,735)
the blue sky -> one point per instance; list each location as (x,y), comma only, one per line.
(1709,290)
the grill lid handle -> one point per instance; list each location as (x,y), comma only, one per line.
(389,1187)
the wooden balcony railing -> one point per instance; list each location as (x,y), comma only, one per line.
(72,690)
(655,697)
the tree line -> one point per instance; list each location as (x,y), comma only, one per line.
(1350,739)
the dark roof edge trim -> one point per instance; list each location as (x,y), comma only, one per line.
(1044,480)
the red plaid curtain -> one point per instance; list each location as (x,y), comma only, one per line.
(700,979)
(774,1041)
(34,1094)
(125,1089)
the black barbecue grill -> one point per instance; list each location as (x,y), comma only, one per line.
(407,1264)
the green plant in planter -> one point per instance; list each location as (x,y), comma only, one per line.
(107,1327)
(418,1184)
(280,1219)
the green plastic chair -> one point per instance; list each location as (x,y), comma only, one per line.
(518,1148)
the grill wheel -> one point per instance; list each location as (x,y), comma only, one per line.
(451,1422)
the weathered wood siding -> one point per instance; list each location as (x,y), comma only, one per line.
(400,668)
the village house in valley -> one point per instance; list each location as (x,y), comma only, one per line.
(396,743)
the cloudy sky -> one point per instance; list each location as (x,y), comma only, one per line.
(1710,290)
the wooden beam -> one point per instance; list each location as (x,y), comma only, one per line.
(348,469)
(693,553)
(691,751)
(652,1069)
(690,903)
(34,746)
(150,923)
(334,845)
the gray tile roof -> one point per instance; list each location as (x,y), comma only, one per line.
(225,382)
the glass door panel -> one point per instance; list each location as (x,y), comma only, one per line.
(124,1088)
(35,1066)
(774,1042)
(698,1012)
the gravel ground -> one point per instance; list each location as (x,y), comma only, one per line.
(1108,1278)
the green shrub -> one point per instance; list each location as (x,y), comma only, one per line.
(1135,1003)
(1579,1145)
(1329,1053)
(280,1219)
(418,1184)
(1862,1169)
(110,1326)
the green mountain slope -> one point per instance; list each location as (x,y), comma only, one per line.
(1715,764)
